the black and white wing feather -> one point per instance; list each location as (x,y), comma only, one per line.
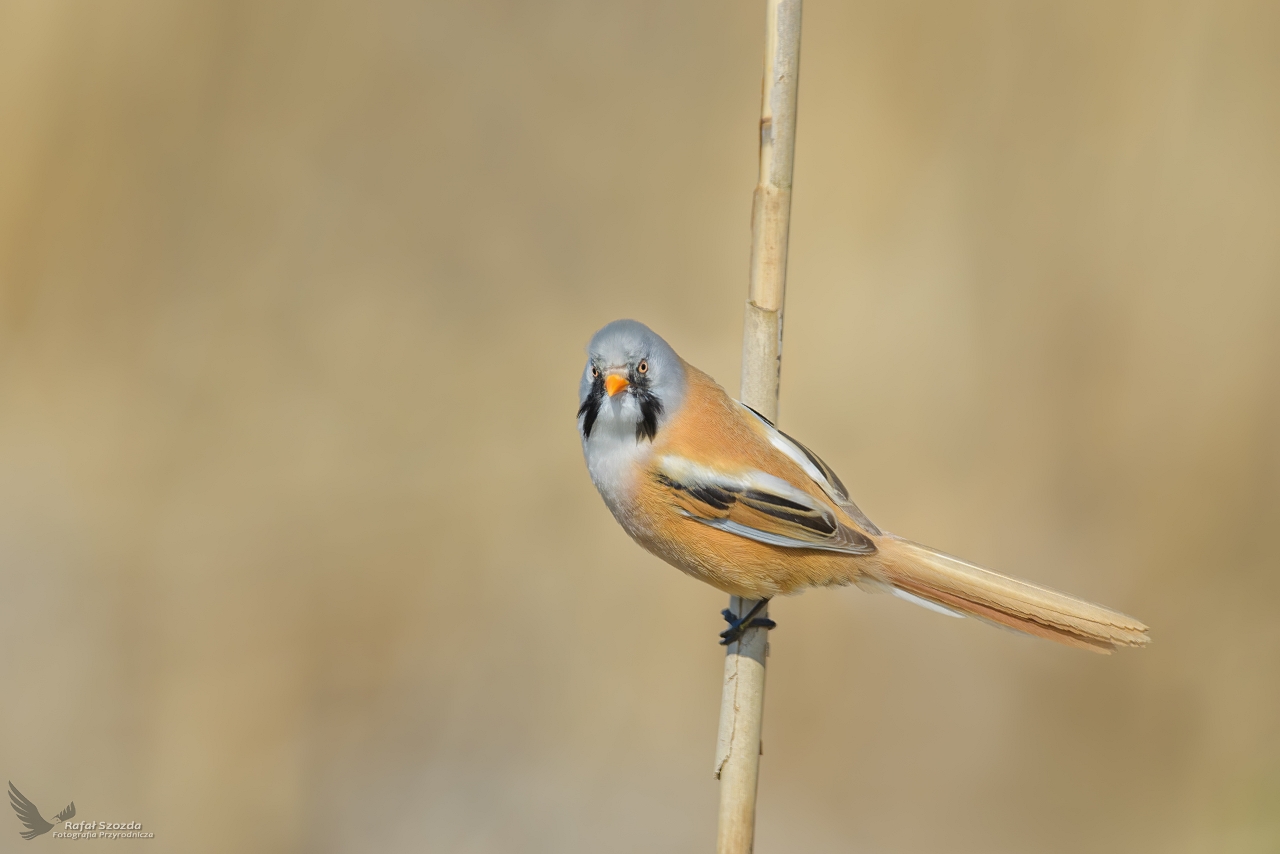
(758,506)
(821,473)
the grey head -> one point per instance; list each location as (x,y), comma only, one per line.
(631,385)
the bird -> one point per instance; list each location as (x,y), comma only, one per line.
(718,491)
(30,816)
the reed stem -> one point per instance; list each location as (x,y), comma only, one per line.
(742,701)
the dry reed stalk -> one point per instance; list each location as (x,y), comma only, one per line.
(742,702)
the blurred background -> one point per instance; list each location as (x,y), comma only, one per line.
(297,549)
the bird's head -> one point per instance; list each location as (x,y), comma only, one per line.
(632,383)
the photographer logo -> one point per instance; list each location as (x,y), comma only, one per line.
(36,825)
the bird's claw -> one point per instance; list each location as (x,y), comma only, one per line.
(737,626)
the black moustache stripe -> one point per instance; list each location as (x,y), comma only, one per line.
(650,409)
(638,387)
(590,408)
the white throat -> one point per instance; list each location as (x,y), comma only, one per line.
(614,457)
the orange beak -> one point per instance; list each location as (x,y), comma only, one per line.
(614,384)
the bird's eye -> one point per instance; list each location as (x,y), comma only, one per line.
(643,367)
(595,372)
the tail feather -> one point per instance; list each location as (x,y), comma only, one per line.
(959,586)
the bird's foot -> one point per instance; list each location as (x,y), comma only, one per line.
(749,620)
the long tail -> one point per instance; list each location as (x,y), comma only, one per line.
(953,585)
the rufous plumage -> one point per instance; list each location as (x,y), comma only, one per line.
(714,489)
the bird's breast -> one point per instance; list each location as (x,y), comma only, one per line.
(616,464)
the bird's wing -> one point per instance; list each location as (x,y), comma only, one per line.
(67,814)
(821,473)
(757,505)
(27,814)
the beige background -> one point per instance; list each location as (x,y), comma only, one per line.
(297,549)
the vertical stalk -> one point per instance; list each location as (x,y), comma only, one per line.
(742,702)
